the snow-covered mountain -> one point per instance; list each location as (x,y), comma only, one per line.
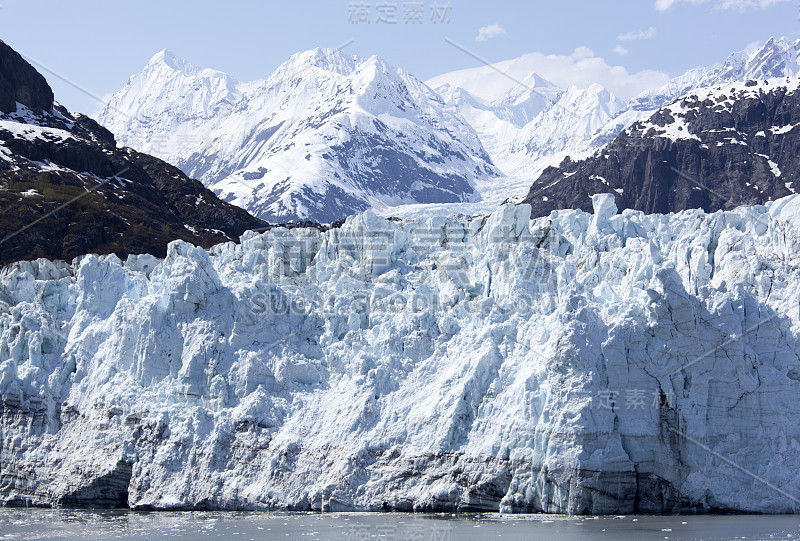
(575,122)
(562,122)
(326,135)
(775,59)
(498,121)
(317,140)
(524,126)
(579,363)
(568,124)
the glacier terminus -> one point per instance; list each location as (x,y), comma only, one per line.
(581,362)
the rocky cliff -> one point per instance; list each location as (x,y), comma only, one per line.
(66,189)
(715,148)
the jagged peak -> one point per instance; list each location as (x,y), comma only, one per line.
(775,57)
(325,58)
(537,81)
(165,64)
(168,58)
(532,87)
(380,63)
(771,46)
(456,94)
(312,64)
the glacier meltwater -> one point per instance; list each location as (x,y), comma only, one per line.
(577,363)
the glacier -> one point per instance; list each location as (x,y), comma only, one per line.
(576,363)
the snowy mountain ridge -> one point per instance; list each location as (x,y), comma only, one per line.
(775,59)
(326,135)
(284,148)
(576,122)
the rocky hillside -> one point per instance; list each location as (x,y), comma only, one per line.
(714,148)
(67,190)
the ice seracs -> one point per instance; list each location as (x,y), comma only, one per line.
(581,363)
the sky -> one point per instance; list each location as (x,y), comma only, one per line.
(96,46)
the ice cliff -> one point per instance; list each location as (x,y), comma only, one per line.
(580,363)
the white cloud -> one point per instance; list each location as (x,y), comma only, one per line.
(739,5)
(581,69)
(582,53)
(620,50)
(490,31)
(641,34)
(742,5)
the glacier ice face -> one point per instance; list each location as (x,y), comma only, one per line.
(579,363)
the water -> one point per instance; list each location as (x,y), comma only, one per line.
(63,525)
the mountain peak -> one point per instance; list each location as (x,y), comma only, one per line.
(324,58)
(167,58)
(21,83)
(772,45)
(537,81)
(773,59)
(140,211)
(776,58)
(326,135)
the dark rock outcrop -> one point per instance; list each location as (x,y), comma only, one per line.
(712,149)
(67,190)
(20,82)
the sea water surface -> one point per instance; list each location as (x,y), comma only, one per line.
(82,525)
